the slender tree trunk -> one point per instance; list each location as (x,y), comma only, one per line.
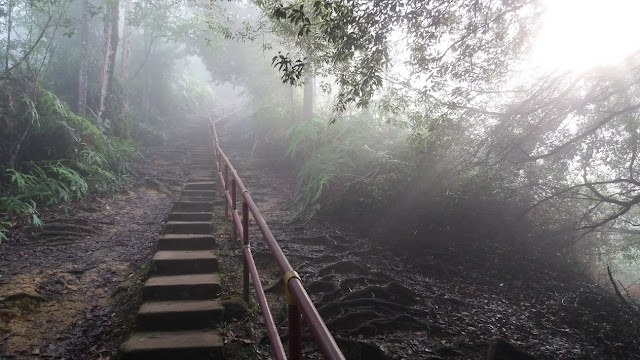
(115,39)
(146,81)
(109,54)
(290,90)
(9,28)
(106,52)
(307,102)
(84,76)
(126,39)
(126,51)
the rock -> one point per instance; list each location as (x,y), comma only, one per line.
(501,349)
(234,308)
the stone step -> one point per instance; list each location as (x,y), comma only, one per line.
(179,315)
(173,345)
(192,206)
(190,216)
(182,287)
(207,194)
(204,166)
(205,185)
(199,179)
(184,262)
(203,160)
(194,198)
(187,242)
(188,227)
(201,172)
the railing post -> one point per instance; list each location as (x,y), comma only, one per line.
(245,244)
(295,319)
(220,188)
(295,333)
(234,209)
(226,188)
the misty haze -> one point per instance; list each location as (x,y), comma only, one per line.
(330,179)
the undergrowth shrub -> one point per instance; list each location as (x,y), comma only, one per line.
(355,161)
(51,155)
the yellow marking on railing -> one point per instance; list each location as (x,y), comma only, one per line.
(291,274)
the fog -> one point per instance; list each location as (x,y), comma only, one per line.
(496,133)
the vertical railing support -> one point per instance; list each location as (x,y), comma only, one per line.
(295,323)
(245,244)
(226,189)
(219,162)
(234,209)
(295,333)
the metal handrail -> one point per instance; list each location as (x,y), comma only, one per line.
(298,301)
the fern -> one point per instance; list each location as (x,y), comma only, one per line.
(84,160)
(331,157)
(4,229)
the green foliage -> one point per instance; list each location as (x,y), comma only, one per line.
(336,159)
(57,155)
(4,229)
(450,42)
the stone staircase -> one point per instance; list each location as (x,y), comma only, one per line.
(181,310)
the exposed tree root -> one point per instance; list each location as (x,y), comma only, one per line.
(21,296)
(320,240)
(358,281)
(346,266)
(347,322)
(393,292)
(370,323)
(374,304)
(320,286)
(402,322)
(360,350)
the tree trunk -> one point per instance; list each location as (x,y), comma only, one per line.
(106,52)
(9,25)
(307,102)
(110,50)
(290,90)
(115,39)
(126,50)
(146,81)
(84,76)
(126,39)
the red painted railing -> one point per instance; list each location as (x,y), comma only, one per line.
(298,301)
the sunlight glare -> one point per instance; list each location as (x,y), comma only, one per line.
(579,34)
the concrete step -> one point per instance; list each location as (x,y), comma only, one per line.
(201,172)
(187,242)
(174,345)
(179,315)
(200,179)
(192,206)
(205,185)
(207,194)
(194,198)
(182,287)
(184,262)
(203,160)
(204,166)
(188,227)
(190,216)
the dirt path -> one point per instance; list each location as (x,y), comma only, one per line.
(386,303)
(70,290)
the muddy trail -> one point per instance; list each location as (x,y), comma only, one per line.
(383,302)
(70,289)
